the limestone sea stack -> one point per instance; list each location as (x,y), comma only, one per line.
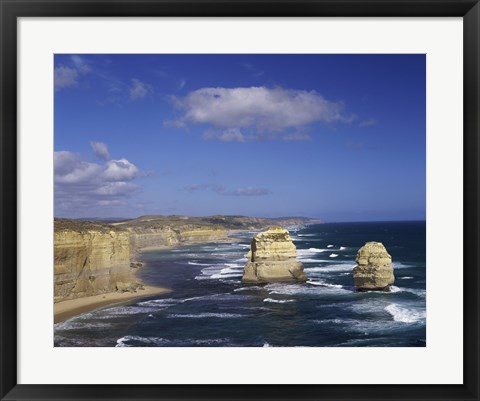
(374,269)
(273,258)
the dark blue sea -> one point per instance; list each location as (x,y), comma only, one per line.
(209,307)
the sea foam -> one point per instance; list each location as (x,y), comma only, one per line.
(158,341)
(198,264)
(404,315)
(322,283)
(340,267)
(278,301)
(205,315)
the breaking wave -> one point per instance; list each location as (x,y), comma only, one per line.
(278,301)
(205,315)
(404,315)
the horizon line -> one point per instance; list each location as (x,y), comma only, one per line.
(238,215)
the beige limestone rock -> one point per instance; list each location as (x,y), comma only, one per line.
(272,258)
(144,238)
(374,269)
(91,261)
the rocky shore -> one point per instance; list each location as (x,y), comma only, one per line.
(97,259)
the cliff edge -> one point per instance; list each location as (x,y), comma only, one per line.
(90,259)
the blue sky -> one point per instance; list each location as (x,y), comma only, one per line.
(336,137)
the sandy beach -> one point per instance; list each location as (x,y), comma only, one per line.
(67,309)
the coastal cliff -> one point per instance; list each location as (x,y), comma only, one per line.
(167,236)
(154,231)
(272,258)
(90,259)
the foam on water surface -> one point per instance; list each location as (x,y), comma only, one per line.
(278,301)
(405,315)
(206,315)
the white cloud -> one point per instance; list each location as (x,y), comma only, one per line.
(65,76)
(265,111)
(111,203)
(115,188)
(101,150)
(80,64)
(71,170)
(65,162)
(80,184)
(120,170)
(139,89)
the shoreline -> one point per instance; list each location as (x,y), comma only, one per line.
(164,247)
(70,308)
(172,247)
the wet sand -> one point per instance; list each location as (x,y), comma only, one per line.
(67,309)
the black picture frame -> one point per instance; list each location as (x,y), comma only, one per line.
(10,10)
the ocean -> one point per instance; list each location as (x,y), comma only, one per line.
(209,307)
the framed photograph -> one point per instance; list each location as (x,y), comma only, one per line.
(228,200)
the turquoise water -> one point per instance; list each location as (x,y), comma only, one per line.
(210,307)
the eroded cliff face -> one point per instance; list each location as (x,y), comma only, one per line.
(152,237)
(144,238)
(204,235)
(273,258)
(91,259)
(152,231)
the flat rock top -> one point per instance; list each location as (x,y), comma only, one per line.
(274,234)
(83,226)
(373,253)
(373,247)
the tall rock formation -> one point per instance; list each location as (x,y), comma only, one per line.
(374,269)
(90,259)
(272,258)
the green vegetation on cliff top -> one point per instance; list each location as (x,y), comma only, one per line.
(158,222)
